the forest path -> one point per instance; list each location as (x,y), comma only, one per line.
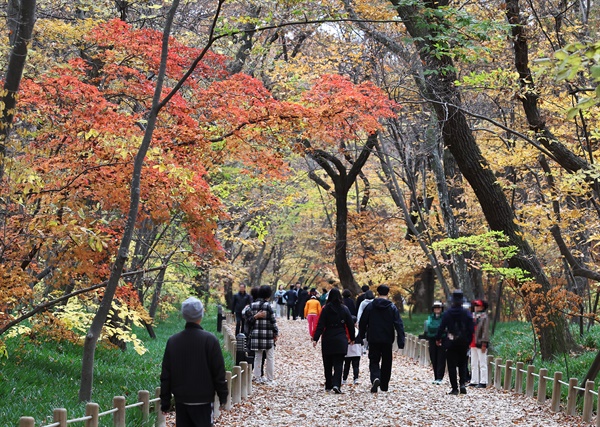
(299,399)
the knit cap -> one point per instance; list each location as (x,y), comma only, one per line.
(192,309)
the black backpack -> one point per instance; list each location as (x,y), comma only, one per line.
(458,334)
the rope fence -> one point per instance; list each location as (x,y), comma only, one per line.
(500,376)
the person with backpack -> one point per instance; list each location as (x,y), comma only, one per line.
(437,355)
(458,328)
(263,335)
(380,323)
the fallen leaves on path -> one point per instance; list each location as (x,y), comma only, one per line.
(298,399)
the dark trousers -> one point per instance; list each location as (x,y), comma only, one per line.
(292,311)
(355,362)
(380,363)
(239,323)
(193,415)
(437,355)
(333,365)
(457,361)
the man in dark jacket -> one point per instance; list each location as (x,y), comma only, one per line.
(291,298)
(362,296)
(457,325)
(380,323)
(240,300)
(193,370)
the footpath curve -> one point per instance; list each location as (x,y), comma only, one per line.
(298,398)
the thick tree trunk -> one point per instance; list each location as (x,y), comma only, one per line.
(458,138)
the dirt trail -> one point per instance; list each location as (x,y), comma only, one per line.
(299,399)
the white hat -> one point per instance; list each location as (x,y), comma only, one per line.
(192,309)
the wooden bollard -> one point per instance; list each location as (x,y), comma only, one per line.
(60,417)
(542,385)
(244,379)
(529,381)
(555,407)
(490,371)
(508,375)
(26,422)
(572,396)
(498,373)
(92,410)
(588,400)
(216,407)
(228,379)
(160,417)
(236,384)
(519,378)
(144,397)
(119,415)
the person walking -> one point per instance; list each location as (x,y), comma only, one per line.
(381,324)
(263,336)
(437,354)
(348,301)
(456,330)
(353,356)
(479,372)
(362,296)
(240,300)
(312,310)
(279,298)
(303,297)
(336,328)
(369,297)
(291,298)
(193,370)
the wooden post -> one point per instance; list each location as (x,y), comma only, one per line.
(588,400)
(529,381)
(490,360)
(244,379)
(144,396)
(236,384)
(60,416)
(498,373)
(542,385)
(216,408)
(519,378)
(92,410)
(508,375)
(228,379)
(119,416)
(555,407)
(572,396)
(26,422)
(160,417)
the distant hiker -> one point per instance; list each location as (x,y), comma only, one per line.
(437,354)
(362,296)
(323,297)
(240,300)
(457,326)
(280,302)
(479,345)
(193,370)
(349,301)
(381,324)
(353,356)
(336,327)
(291,298)
(303,297)
(312,310)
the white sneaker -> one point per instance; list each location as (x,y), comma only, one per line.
(356,382)
(343,382)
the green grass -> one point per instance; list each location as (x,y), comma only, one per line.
(36,378)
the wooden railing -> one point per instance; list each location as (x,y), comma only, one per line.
(239,384)
(500,376)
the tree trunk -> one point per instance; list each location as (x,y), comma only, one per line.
(458,138)
(91,339)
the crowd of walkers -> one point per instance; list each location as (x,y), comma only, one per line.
(346,328)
